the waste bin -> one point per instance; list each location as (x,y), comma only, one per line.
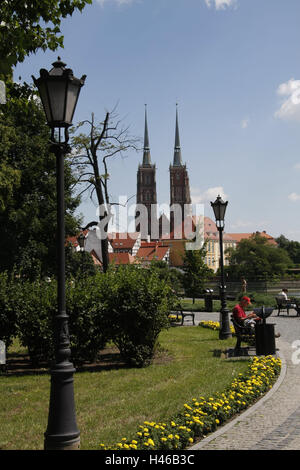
(208,300)
(264,334)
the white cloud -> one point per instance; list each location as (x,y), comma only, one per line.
(221,4)
(294,197)
(245,123)
(297,166)
(207,196)
(290,107)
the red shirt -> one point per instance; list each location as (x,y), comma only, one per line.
(238,313)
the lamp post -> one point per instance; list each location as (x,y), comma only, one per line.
(219,208)
(59,91)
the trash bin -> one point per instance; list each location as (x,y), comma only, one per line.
(208,300)
(264,334)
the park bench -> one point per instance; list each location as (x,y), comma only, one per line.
(179,312)
(283,304)
(242,333)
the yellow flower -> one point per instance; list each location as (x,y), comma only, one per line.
(191,439)
(217,421)
(151,442)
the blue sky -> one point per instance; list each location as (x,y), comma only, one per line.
(234,69)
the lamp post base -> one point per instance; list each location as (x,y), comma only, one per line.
(62,432)
(71,445)
(225,331)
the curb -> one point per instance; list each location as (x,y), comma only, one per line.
(247,412)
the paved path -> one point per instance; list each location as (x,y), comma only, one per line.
(274,422)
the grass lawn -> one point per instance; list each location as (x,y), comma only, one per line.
(111,403)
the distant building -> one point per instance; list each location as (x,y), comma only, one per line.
(150,251)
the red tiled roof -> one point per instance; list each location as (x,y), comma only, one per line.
(241,236)
(121,258)
(122,240)
(150,251)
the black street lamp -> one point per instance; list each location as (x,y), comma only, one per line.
(59,91)
(219,208)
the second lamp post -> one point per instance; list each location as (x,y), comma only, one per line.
(219,208)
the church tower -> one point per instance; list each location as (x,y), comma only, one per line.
(146,190)
(179,183)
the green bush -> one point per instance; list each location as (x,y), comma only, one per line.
(138,302)
(259,299)
(129,306)
(35,310)
(86,309)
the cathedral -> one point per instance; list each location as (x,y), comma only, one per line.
(146,197)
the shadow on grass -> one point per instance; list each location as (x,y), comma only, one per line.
(110,359)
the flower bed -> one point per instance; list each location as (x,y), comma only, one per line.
(204,415)
(214,325)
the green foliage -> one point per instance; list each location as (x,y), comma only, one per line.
(257,259)
(86,310)
(28,216)
(196,272)
(137,303)
(129,306)
(258,299)
(291,247)
(35,308)
(29,26)
(79,264)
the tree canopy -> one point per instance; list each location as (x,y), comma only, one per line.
(29,25)
(28,196)
(196,272)
(256,258)
(291,247)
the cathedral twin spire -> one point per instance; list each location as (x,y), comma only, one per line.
(146,177)
(177,161)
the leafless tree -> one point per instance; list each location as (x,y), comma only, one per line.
(93,146)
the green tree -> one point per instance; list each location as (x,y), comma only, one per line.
(291,247)
(256,258)
(79,264)
(196,272)
(27,25)
(28,216)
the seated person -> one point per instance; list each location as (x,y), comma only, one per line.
(284,295)
(238,313)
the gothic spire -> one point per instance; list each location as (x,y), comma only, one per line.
(146,156)
(177,150)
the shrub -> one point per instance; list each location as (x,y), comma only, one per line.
(35,308)
(86,310)
(137,304)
